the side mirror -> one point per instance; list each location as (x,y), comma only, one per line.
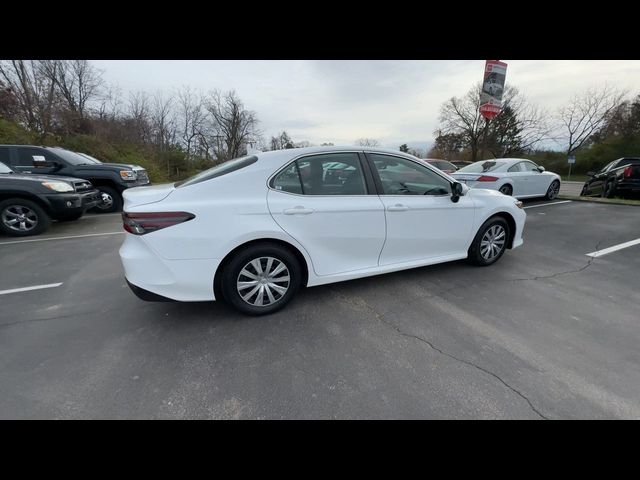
(39,161)
(456,191)
(541,169)
(591,174)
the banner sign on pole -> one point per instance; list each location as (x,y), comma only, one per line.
(495,73)
(572,159)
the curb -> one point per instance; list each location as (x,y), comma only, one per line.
(607,201)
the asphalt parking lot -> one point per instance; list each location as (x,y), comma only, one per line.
(548,332)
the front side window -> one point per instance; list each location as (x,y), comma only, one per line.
(4,168)
(4,155)
(530,167)
(518,167)
(328,174)
(26,154)
(400,176)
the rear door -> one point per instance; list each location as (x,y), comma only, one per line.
(328,204)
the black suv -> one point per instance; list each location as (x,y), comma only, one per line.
(29,202)
(620,177)
(110,178)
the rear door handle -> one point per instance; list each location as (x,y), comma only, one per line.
(298,211)
(397,208)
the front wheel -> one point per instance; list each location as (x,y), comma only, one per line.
(261,279)
(111,200)
(553,190)
(20,218)
(490,242)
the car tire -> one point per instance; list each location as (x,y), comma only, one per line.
(553,190)
(609,189)
(112,200)
(248,268)
(36,219)
(506,189)
(70,218)
(494,235)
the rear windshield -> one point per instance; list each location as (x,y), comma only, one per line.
(219,170)
(481,167)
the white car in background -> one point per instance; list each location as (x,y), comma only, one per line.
(255,229)
(517,177)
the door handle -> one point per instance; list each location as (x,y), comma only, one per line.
(298,211)
(397,208)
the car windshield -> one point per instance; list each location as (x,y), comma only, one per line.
(219,170)
(89,157)
(4,168)
(481,167)
(71,157)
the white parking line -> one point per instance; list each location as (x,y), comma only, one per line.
(547,204)
(61,238)
(615,248)
(26,289)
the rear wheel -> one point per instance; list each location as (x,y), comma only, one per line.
(21,218)
(490,242)
(609,189)
(553,190)
(506,189)
(111,200)
(261,279)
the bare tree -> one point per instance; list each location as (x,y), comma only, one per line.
(367,142)
(77,81)
(139,112)
(192,119)
(586,113)
(34,92)
(233,127)
(163,121)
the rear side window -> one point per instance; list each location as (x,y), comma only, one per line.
(328,174)
(4,155)
(219,170)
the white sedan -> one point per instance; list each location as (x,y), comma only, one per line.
(517,177)
(255,229)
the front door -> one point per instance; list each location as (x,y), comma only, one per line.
(422,220)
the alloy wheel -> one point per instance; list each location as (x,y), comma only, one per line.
(19,218)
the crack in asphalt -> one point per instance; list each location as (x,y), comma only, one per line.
(567,272)
(381,319)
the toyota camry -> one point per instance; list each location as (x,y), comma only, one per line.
(254,230)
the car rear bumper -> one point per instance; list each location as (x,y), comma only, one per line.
(181,280)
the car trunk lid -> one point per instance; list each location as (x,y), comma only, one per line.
(136,196)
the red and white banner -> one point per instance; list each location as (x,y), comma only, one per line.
(495,73)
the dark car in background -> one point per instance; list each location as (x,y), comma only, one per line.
(620,177)
(110,178)
(443,165)
(29,202)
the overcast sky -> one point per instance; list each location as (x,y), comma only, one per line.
(339,101)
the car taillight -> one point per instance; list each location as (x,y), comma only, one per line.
(487,178)
(141,223)
(627,171)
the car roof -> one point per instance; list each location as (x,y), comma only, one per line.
(278,157)
(505,160)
